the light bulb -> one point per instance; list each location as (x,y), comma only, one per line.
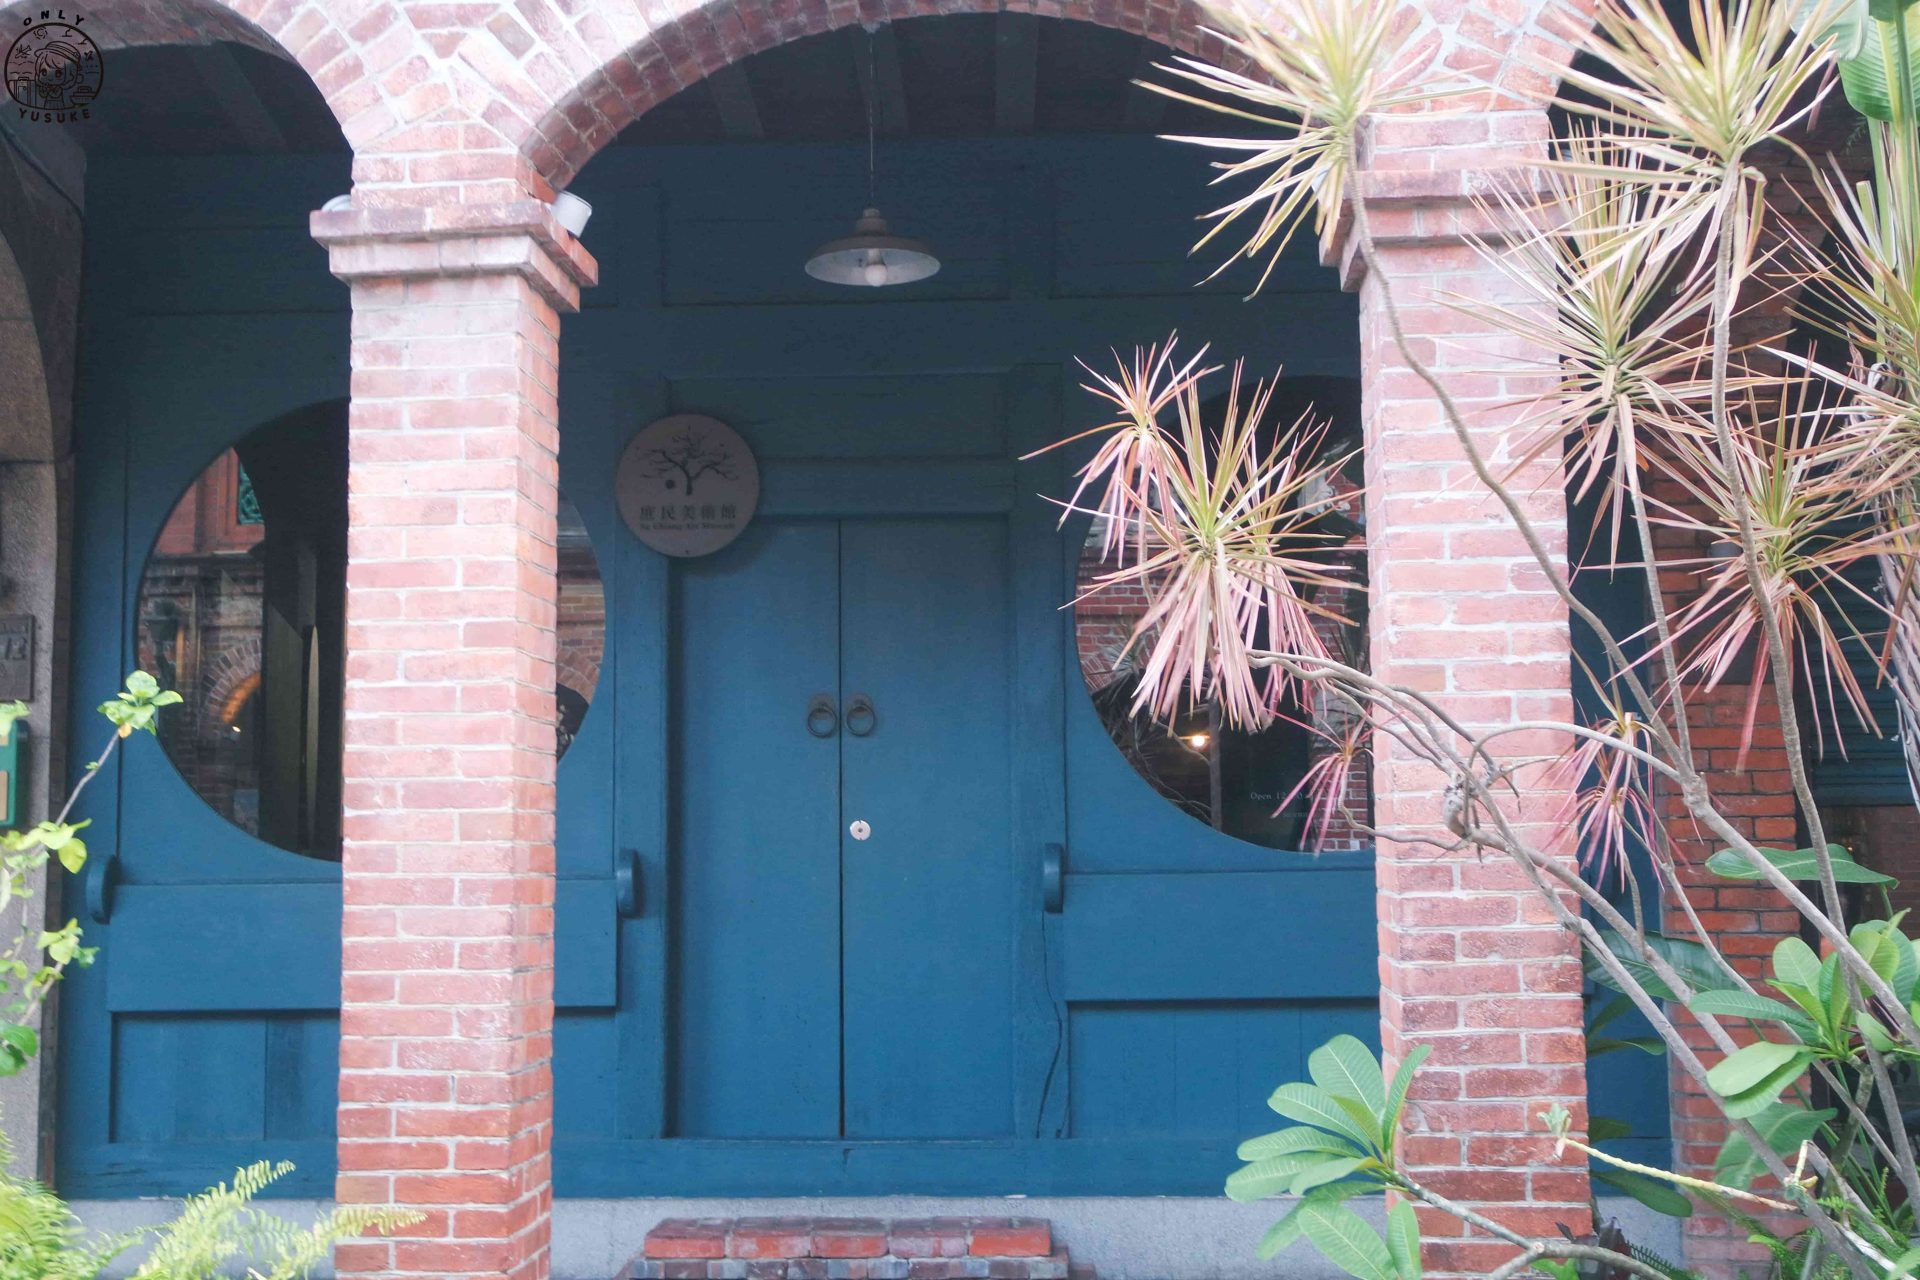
(875,269)
(1198,741)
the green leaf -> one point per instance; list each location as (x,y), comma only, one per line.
(1846,25)
(1397,1092)
(1651,1192)
(1741,1004)
(1833,992)
(1869,78)
(1689,959)
(1326,1171)
(1346,1068)
(1607,1013)
(18,1044)
(1290,1141)
(1889,953)
(1783,1126)
(142,685)
(1607,1128)
(1309,1104)
(1794,964)
(1275,1175)
(1794,864)
(1606,1044)
(1281,1234)
(1403,1240)
(1284,1232)
(1903,1265)
(1746,1068)
(1766,1092)
(1346,1241)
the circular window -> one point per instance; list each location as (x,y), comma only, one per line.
(582,626)
(241,609)
(1260,786)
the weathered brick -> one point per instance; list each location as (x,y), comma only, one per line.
(1010,1238)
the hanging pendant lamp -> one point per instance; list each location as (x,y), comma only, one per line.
(872,256)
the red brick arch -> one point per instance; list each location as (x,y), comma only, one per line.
(612,65)
(375,70)
(622,80)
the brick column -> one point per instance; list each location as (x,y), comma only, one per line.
(446,1013)
(1471,962)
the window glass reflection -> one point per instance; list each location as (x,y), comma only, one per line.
(242,609)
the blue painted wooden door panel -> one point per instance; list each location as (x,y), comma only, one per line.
(930,914)
(756,954)
(828,986)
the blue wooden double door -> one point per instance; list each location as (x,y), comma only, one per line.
(843,918)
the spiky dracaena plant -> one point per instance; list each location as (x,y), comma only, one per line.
(1631,251)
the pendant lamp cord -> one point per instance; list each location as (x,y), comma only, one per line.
(873,88)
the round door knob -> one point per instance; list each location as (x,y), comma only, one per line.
(859,829)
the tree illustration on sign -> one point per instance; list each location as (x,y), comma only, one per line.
(689,454)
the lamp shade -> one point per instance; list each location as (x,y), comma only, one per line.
(872,256)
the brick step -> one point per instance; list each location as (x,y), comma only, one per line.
(852,1249)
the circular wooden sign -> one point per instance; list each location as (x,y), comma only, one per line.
(687,485)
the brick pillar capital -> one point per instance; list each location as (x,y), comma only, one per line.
(1430,180)
(519,237)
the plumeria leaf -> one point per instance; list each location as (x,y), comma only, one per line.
(1347,1241)
(1656,1195)
(1783,1126)
(1309,1104)
(1403,1240)
(1741,1004)
(1346,1068)
(1753,1065)
(1795,864)
(1291,1141)
(1690,960)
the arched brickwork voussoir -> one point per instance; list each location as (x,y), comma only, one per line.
(1518,49)
(679,43)
(616,61)
(377,71)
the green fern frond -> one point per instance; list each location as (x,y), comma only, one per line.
(1648,1258)
(40,1239)
(220,1227)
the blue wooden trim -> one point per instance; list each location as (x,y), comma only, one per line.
(638,645)
(1050,1166)
(1220,936)
(1039,817)
(262,946)
(125,1169)
(585,927)
(104,405)
(850,488)
(670,1167)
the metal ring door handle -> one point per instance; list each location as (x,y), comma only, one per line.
(822,720)
(861,720)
